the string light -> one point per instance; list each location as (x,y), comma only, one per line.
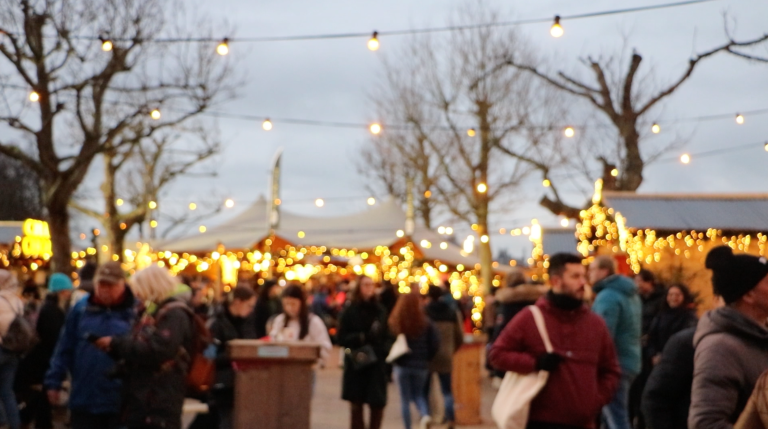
(106,45)
(482,188)
(443,245)
(564,222)
(569,132)
(229,203)
(375,128)
(766,147)
(119,202)
(400,233)
(546,183)
(152,205)
(556,30)
(371,201)
(223,47)
(319,202)
(34,97)
(266,125)
(471,132)
(153,224)
(484,238)
(202,229)
(449,230)
(373,42)
(427,194)
(740,119)
(685,158)
(301,234)
(155,114)
(615,172)
(192,206)
(655,128)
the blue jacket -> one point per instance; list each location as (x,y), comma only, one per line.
(619,304)
(93,389)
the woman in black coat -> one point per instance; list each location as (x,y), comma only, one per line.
(364,335)
(675,316)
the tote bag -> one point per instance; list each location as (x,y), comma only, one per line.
(513,401)
(399,349)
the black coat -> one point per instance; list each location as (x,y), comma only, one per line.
(224,328)
(365,323)
(667,394)
(667,323)
(155,368)
(265,310)
(50,320)
(652,305)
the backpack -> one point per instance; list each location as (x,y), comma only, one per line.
(200,370)
(21,336)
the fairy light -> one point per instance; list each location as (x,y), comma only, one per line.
(202,229)
(482,188)
(192,206)
(153,224)
(319,202)
(106,45)
(373,42)
(223,47)
(400,233)
(564,222)
(155,114)
(34,97)
(427,194)
(685,158)
(471,132)
(740,119)
(119,202)
(569,132)
(615,172)
(484,238)
(152,205)
(766,147)
(371,201)
(266,125)
(375,128)
(546,183)
(449,230)
(556,30)
(655,128)
(229,203)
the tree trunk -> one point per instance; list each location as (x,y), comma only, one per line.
(61,242)
(632,176)
(426,211)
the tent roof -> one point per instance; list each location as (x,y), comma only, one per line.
(680,212)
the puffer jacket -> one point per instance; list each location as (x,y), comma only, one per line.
(618,303)
(731,354)
(155,361)
(448,324)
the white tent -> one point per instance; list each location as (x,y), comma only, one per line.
(377,226)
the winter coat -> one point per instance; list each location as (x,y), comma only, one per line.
(94,388)
(365,323)
(731,354)
(224,328)
(618,303)
(588,375)
(423,349)
(667,323)
(448,324)
(9,308)
(667,394)
(652,306)
(155,361)
(512,300)
(50,321)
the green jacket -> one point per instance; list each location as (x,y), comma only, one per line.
(619,304)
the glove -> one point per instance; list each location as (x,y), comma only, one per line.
(548,362)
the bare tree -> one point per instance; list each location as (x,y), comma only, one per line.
(479,134)
(623,97)
(69,98)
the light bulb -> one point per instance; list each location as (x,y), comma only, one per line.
(153,224)
(152,205)
(202,229)
(443,245)
(155,114)
(569,132)
(546,183)
(400,233)
(739,119)
(319,202)
(373,43)
(266,125)
(192,206)
(427,194)
(655,128)
(471,132)
(685,158)
(484,238)
(449,230)
(556,30)
(375,128)
(766,147)
(371,201)
(564,222)
(119,202)
(229,203)
(615,172)
(34,97)
(482,188)
(223,47)
(106,45)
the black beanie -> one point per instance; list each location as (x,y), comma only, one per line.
(734,275)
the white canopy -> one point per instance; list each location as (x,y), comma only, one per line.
(377,226)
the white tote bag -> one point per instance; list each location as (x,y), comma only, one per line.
(399,349)
(513,401)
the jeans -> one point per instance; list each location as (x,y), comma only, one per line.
(412,382)
(446,387)
(9,409)
(86,420)
(616,414)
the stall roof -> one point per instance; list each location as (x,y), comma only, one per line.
(9,230)
(682,212)
(562,240)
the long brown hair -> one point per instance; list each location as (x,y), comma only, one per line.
(408,316)
(295,291)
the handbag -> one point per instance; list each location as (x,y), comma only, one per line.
(362,357)
(513,401)
(399,349)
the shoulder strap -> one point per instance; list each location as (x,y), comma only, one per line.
(17,313)
(542,327)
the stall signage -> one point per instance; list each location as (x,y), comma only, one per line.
(36,242)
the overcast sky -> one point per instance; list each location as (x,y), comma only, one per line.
(330,80)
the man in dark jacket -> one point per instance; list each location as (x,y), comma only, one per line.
(731,342)
(584,371)
(95,397)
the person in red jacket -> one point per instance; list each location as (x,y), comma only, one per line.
(584,370)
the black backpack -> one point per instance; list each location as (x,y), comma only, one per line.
(21,336)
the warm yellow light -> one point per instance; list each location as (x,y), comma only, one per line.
(685,158)
(739,119)
(502,231)
(546,183)
(655,128)
(449,230)
(427,194)
(202,229)
(569,132)
(106,45)
(441,230)
(152,205)
(119,202)
(223,48)
(319,202)
(766,147)
(400,233)
(192,206)
(155,114)
(229,203)
(556,30)
(153,224)
(484,238)
(266,125)
(615,172)
(123,225)
(375,128)
(34,97)
(373,42)
(482,188)
(426,244)
(300,234)
(526,230)
(564,222)
(443,245)
(371,201)
(471,132)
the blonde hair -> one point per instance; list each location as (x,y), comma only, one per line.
(153,284)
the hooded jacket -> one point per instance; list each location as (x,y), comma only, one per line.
(618,303)
(587,376)
(731,354)
(512,300)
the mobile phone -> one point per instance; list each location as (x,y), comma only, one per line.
(92,338)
